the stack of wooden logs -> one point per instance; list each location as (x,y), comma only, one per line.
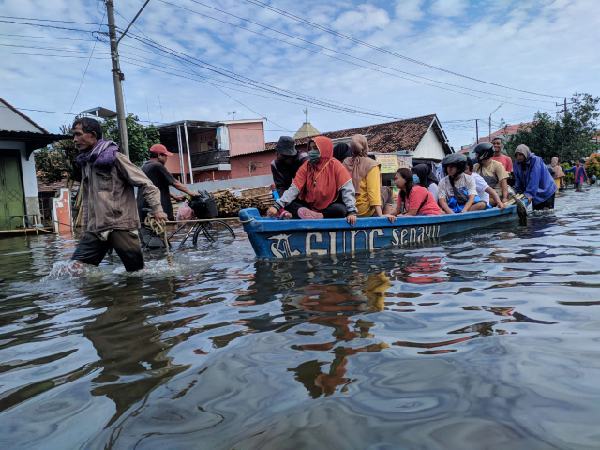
(229,204)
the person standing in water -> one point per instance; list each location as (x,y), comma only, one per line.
(155,169)
(533,179)
(110,215)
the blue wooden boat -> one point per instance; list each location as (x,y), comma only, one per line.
(273,238)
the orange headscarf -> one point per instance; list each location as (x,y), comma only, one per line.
(319,183)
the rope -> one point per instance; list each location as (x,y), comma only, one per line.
(159,228)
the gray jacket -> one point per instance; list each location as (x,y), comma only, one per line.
(108,199)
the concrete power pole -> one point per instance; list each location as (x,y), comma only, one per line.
(117,78)
(476,131)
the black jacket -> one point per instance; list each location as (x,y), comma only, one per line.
(284,174)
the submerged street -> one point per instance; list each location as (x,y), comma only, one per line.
(491,337)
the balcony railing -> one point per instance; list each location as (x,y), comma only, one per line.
(210,158)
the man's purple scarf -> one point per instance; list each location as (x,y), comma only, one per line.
(102,156)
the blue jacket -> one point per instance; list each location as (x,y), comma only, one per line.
(535,180)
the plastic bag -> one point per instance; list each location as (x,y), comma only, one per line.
(185,212)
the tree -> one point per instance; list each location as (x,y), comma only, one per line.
(57,162)
(141,138)
(569,137)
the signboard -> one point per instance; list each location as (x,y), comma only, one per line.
(389,163)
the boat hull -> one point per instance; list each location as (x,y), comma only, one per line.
(277,239)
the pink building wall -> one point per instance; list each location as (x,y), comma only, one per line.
(253,164)
(245,137)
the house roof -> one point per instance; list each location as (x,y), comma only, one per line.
(100,111)
(306,130)
(389,137)
(11,119)
(16,126)
(508,130)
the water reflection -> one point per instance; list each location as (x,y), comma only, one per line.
(480,340)
(132,358)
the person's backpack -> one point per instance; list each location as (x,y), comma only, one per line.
(204,205)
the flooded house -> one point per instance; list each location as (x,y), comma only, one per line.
(19,137)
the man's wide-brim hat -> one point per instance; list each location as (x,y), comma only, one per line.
(286,146)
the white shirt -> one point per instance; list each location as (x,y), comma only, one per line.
(481,186)
(445,190)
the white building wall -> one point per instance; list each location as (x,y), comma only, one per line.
(430,147)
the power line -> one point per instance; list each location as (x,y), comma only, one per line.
(385,51)
(86,66)
(256,84)
(377,66)
(132,22)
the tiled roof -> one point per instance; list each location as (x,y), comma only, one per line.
(385,137)
(508,130)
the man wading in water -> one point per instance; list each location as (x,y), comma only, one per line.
(110,216)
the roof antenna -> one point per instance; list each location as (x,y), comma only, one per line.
(305,110)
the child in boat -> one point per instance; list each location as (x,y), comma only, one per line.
(322,187)
(426,178)
(457,191)
(413,199)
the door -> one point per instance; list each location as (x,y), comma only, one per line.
(11,192)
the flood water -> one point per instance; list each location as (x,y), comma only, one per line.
(490,341)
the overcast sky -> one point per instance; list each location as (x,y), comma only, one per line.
(370,61)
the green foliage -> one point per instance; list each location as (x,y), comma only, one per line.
(569,137)
(57,162)
(592,165)
(140,137)
(569,176)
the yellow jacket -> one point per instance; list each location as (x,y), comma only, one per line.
(369,193)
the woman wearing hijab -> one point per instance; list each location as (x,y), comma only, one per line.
(557,172)
(322,187)
(533,179)
(426,178)
(366,178)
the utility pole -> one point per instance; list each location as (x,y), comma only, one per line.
(476,131)
(117,78)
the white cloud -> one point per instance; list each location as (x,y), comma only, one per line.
(409,10)
(361,18)
(539,48)
(449,8)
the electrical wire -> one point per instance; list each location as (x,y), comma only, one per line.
(360,42)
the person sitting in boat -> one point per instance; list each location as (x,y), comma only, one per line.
(287,163)
(322,187)
(484,191)
(533,179)
(492,171)
(366,178)
(580,174)
(413,199)
(426,178)
(457,191)
(341,151)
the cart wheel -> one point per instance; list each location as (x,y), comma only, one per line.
(214,231)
